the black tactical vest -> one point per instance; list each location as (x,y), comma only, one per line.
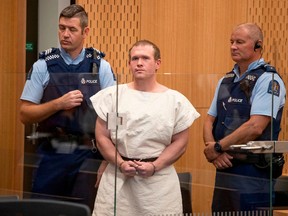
(79,121)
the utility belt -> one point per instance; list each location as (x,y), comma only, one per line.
(239,158)
(258,159)
(262,161)
(67,143)
(138,159)
(79,139)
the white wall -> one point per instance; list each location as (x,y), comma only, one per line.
(48,14)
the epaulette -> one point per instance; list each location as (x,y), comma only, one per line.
(229,75)
(269,68)
(49,54)
(98,53)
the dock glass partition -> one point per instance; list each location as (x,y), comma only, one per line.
(198,184)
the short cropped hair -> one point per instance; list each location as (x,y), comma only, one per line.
(157,54)
(255,31)
(75,10)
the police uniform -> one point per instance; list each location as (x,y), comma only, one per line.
(68,144)
(246,186)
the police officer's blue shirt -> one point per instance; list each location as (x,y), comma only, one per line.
(261,98)
(34,87)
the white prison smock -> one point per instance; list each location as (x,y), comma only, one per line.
(151,121)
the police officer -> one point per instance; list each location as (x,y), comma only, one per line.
(240,112)
(56,96)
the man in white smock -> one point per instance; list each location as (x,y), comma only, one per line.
(154,137)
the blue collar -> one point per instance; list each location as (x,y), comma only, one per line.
(67,58)
(252,66)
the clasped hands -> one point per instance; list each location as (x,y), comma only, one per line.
(140,168)
(219,160)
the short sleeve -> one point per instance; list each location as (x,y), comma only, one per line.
(106,75)
(186,114)
(36,82)
(262,97)
(102,102)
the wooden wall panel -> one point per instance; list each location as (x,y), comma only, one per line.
(194,38)
(12,64)
(194,35)
(115,26)
(272,17)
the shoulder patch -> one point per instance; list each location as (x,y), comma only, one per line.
(274,88)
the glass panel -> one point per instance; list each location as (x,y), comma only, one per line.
(61,157)
(196,174)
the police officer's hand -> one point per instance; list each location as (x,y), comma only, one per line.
(70,100)
(210,152)
(223,161)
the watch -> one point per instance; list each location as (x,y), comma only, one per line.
(218,147)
